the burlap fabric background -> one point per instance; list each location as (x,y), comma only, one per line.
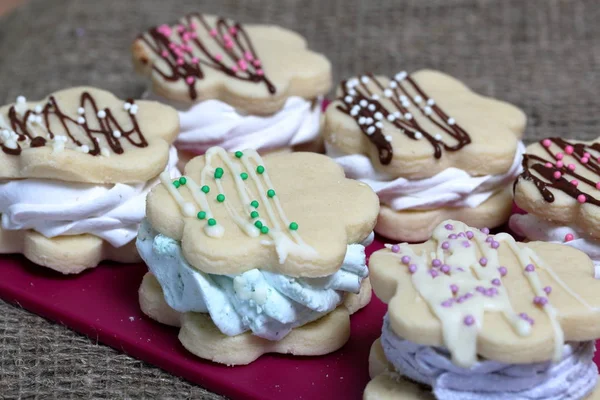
(543,56)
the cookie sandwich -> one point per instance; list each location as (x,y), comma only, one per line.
(476,316)
(253,255)
(235,85)
(430,147)
(560,191)
(76,168)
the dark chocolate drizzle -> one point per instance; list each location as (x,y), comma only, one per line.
(409,127)
(545,180)
(182,65)
(102,127)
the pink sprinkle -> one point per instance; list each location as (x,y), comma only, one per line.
(489,239)
(496,282)
(466,244)
(469,320)
(218,57)
(448,227)
(485,230)
(490,292)
(433,273)
(256,62)
(462,234)
(243,65)
(189,80)
(436,262)
(571,167)
(454,288)
(172,45)
(395,248)
(540,301)
(557,174)
(178,52)
(560,164)
(546,142)
(248,56)
(529,268)
(405,260)
(447,303)
(228,45)
(495,245)
(226,37)
(584,160)
(480,289)
(180,28)
(194,35)
(483,261)
(193,25)
(259,72)
(569,237)
(213,32)
(195,60)
(445,268)
(598,185)
(548,289)
(548,165)
(470,235)
(569,149)
(185,37)
(559,156)
(234,68)
(164,29)
(575,182)
(503,271)
(581,198)
(164,53)
(452,236)
(587,155)
(188,48)
(412,268)
(445,245)
(598,159)
(233,30)
(180,61)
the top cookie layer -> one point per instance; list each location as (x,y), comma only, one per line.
(293,214)
(414,126)
(254,68)
(480,294)
(85,134)
(561,183)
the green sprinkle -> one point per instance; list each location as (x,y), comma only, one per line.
(182,180)
(271,193)
(221,198)
(176,184)
(218,173)
(260,169)
(254,214)
(258,224)
(254,204)
(239,154)
(264,229)
(212,222)
(293,226)
(205,189)
(201,215)
(244,175)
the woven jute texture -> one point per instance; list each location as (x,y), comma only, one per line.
(543,56)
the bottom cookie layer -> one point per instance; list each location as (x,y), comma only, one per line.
(65,254)
(417,225)
(386,384)
(200,336)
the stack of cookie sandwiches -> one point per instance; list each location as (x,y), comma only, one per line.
(476,316)
(251,255)
(236,86)
(431,148)
(76,168)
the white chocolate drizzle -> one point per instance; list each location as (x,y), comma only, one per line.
(285,240)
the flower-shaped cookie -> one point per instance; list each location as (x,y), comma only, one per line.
(561,183)
(293,214)
(480,294)
(415,126)
(83,134)
(254,68)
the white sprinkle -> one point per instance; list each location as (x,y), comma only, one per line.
(38,109)
(393,84)
(81,111)
(379,124)
(364,79)
(405,104)
(352,92)
(418,99)
(362,120)
(369,120)
(418,135)
(398,114)
(430,102)
(30,118)
(81,120)
(5,134)
(388,93)
(375,97)
(348,99)
(438,137)
(363,103)
(117,133)
(38,119)
(189,209)
(101,114)
(391,117)
(451,121)
(403,98)
(370,130)
(400,76)
(105,152)
(133,110)
(354,112)
(388,138)
(372,107)
(408,116)
(21,99)
(378,115)
(126,106)
(427,110)
(85,148)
